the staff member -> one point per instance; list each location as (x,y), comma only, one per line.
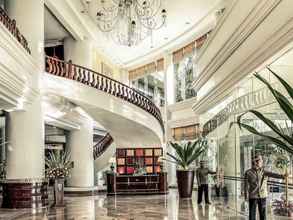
(202,180)
(255,187)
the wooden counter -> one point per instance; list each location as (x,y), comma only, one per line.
(132,184)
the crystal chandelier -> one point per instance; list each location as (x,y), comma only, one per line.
(129,22)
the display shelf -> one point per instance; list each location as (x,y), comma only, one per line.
(130,159)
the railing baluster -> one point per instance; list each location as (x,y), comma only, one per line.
(103,83)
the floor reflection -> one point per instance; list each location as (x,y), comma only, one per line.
(154,207)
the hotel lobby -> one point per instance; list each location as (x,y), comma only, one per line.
(131,109)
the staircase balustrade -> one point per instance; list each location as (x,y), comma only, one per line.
(102,145)
(103,83)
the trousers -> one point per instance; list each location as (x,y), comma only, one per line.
(203,188)
(261,203)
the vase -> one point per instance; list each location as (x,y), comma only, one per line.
(59,192)
(185,183)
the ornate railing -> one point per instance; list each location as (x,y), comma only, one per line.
(248,101)
(103,83)
(102,145)
(10,24)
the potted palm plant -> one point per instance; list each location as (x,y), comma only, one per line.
(185,155)
(282,136)
(58,166)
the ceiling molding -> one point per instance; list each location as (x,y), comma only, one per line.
(261,55)
(67,16)
(233,30)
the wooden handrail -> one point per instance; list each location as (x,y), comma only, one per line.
(101,82)
(10,24)
(102,145)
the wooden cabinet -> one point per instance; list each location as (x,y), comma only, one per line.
(131,184)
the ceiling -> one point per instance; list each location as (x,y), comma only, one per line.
(54,31)
(183,19)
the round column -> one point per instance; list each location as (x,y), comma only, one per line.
(80,143)
(25,186)
(29,18)
(80,52)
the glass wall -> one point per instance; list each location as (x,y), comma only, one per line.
(152,86)
(236,148)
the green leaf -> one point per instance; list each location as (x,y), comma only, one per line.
(278,142)
(284,103)
(270,124)
(284,83)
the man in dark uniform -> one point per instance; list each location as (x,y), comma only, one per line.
(202,181)
(255,187)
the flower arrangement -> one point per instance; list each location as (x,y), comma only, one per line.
(58,165)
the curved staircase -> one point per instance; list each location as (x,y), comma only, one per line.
(131,118)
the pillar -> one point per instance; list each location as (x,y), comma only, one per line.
(80,52)
(25,159)
(80,143)
(29,16)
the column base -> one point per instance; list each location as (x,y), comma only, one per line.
(81,191)
(21,193)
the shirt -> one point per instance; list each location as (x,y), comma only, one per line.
(255,182)
(202,175)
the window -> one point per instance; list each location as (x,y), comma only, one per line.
(152,86)
(184,76)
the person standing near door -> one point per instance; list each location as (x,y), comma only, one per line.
(255,187)
(202,181)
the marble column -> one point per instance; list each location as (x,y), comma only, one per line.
(80,143)
(25,158)
(80,52)
(29,16)
(169,89)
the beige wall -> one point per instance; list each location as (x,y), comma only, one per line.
(97,64)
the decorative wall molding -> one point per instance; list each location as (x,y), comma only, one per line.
(267,38)
(183,122)
(19,73)
(186,104)
(61,123)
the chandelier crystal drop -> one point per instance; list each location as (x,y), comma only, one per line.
(129,22)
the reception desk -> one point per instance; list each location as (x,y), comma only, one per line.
(133,184)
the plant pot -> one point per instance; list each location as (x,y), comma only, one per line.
(59,192)
(185,180)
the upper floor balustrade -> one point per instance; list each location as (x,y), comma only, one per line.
(10,24)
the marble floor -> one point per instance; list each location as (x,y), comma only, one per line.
(150,207)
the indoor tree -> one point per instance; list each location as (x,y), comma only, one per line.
(185,155)
(281,136)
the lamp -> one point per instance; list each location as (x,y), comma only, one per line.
(112,161)
(129,22)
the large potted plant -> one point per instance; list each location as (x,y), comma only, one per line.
(58,166)
(282,136)
(185,155)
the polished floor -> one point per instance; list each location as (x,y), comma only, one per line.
(151,207)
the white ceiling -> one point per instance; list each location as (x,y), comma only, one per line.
(54,31)
(183,19)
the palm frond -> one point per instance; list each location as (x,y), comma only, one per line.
(187,153)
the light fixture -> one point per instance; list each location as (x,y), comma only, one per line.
(129,22)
